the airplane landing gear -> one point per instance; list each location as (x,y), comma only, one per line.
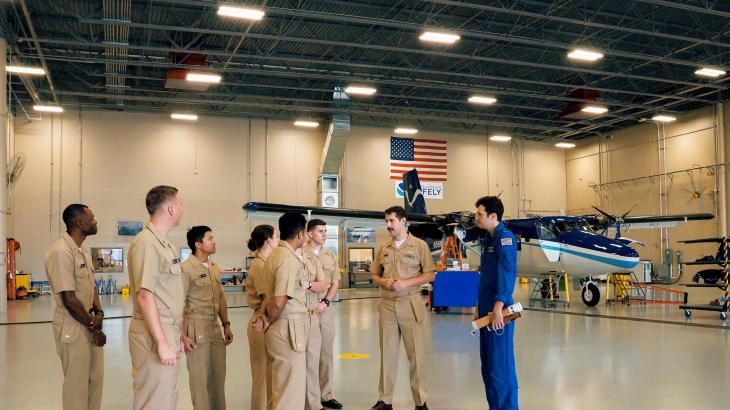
(590,294)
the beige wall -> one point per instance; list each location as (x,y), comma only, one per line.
(109,160)
(632,155)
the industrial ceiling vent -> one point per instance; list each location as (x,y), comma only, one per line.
(329,190)
(176,77)
(574,109)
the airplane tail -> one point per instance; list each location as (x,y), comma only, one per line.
(413,196)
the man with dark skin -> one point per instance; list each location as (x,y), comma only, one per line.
(77,320)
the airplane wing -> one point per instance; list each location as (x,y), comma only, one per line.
(264,210)
(599,222)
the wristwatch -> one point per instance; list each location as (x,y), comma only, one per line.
(309,286)
(226,323)
(325,301)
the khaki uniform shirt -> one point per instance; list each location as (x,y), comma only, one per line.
(284,273)
(69,268)
(410,260)
(313,272)
(154,265)
(255,288)
(328,258)
(202,287)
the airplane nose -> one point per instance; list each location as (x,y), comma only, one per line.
(627,251)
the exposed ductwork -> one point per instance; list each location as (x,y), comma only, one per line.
(117,15)
(337,136)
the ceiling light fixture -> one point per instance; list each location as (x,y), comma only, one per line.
(203,78)
(308,124)
(360,90)
(19,69)
(48,108)
(664,118)
(500,138)
(565,145)
(595,109)
(241,12)
(439,37)
(408,131)
(585,55)
(481,99)
(186,117)
(710,72)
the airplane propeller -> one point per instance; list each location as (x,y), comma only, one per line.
(613,219)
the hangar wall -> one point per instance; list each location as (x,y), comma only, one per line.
(625,169)
(109,160)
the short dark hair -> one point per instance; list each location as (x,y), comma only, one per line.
(399,212)
(196,234)
(492,204)
(259,236)
(290,224)
(158,196)
(313,223)
(72,213)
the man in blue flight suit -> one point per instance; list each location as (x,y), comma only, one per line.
(498,272)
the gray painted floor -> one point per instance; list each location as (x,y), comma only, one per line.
(564,361)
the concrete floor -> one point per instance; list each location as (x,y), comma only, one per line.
(607,357)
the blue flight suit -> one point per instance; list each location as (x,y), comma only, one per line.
(498,272)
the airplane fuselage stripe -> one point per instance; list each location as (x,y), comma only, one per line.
(618,261)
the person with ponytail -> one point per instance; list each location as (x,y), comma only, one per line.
(264,239)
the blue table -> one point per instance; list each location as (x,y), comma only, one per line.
(455,289)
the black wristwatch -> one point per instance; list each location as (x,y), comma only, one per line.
(226,323)
(325,301)
(94,311)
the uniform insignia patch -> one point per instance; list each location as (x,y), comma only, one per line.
(409,256)
(506,241)
(175,260)
(203,275)
(490,249)
(82,266)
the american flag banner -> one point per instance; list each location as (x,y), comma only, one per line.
(428,157)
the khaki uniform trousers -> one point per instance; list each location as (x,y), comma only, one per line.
(314,346)
(260,368)
(327,353)
(82,364)
(402,317)
(207,363)
(286,342)
(156,386)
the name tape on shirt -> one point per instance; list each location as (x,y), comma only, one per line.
(506,241)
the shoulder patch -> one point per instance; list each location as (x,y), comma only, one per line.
(506,241)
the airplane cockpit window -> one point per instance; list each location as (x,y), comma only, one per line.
(572,225)
(546,234)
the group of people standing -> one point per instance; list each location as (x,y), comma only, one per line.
(293,279)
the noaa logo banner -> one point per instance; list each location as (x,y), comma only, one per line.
(430,190)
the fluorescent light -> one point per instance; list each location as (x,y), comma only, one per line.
(664,118)
(19,69)
(710,72)
(48,108)
(445,38)
(186,117)
(241,12)
(565,145)
(406,131)
(595,109)
(203,78)
(585,55)
(309,124)
(480,99)
(354,89)
(500,138)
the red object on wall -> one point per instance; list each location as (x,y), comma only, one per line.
(12,247)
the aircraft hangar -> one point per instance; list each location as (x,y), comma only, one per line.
(213,204)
